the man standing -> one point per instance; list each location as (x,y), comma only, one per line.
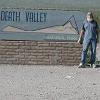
(89,32)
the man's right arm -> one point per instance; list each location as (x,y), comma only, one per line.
(81,35)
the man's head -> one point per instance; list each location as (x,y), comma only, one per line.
(89,16)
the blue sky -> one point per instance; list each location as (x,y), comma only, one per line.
(50,3)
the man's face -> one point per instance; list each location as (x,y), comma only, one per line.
(89,18)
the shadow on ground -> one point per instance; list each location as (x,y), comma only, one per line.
(97,66)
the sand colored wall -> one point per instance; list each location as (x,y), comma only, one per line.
(39,53)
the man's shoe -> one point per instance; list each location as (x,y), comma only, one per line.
(94,65)
(81,65)
(91,65)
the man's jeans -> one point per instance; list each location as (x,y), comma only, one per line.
(92,43)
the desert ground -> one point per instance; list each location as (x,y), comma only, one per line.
(19,82)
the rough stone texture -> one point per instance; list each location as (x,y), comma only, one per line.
(39,53)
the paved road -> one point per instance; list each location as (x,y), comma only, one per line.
(49,83)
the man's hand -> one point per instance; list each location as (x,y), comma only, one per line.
(79,41)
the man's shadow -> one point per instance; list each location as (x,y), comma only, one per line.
(97,66)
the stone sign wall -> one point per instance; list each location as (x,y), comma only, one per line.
(39,37)
(39,53)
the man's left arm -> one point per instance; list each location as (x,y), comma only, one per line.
(98,34)
(98,31)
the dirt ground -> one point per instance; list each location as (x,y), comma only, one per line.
(49,83)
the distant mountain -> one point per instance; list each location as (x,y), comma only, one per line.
(67,28)
(51,3)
